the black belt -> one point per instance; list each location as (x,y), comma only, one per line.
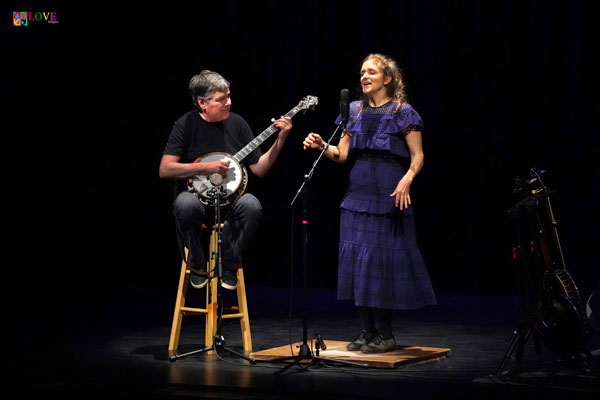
(386,158)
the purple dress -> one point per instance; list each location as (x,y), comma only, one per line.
(380,264)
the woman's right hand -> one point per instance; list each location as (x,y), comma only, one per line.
(312,141)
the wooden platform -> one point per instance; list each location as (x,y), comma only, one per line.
(402,355)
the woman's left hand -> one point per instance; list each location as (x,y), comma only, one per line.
(402,193)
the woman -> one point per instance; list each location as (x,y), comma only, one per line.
(380,266)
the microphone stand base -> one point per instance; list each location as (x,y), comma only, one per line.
(305,354)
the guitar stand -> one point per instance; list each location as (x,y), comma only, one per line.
(563,333)
(218,339)
(517,343)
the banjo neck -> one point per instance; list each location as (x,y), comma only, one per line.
(258,140)
(236,180)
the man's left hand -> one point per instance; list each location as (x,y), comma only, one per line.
(285,126)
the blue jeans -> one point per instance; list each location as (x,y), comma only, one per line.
(240,219)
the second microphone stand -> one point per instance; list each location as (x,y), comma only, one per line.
(304,352)
(218,339)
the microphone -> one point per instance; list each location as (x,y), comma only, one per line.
(345,105)
(320,342)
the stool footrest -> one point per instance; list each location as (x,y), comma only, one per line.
(192,310)
(228,316)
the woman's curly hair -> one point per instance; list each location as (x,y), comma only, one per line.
(394,89)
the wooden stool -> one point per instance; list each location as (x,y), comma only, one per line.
(210,312)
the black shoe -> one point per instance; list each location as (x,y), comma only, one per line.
(198,281)
(379,345)
(362,339)
(229,280)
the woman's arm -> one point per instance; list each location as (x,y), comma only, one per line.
(337,153)
(415,147)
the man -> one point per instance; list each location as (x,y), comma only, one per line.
(212,127)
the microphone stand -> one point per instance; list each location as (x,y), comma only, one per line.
(304,352)
(218,339)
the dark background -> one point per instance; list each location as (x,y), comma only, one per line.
(88,106)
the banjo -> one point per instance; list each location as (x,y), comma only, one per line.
(234,184)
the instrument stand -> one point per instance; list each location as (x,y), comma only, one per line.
(218,339)
(521,335)
(527,329)
(563,333)
(305,352)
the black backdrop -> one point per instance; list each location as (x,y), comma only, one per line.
(501,86)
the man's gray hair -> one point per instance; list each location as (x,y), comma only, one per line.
(205,84)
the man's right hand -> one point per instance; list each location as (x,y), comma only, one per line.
(216,167)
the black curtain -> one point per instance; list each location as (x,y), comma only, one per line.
(501,86)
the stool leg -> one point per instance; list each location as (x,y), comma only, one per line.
(179,302)
(243,309)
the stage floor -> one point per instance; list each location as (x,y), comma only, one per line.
(119,350)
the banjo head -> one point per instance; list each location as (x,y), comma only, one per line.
(234,184)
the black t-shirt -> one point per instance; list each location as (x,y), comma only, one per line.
(192,137)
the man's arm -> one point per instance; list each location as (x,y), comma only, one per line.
(266,161)
(171,168)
